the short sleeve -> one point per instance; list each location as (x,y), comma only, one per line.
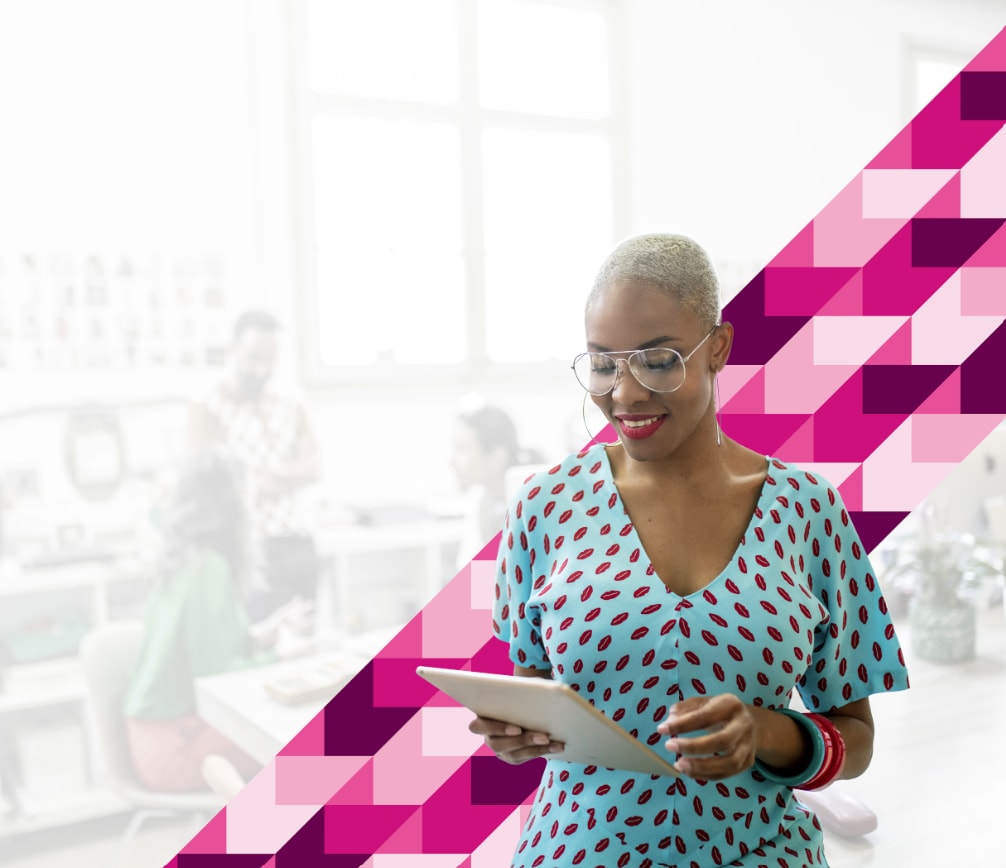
(856,651)
(516,620)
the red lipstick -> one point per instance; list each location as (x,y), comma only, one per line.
(638,426)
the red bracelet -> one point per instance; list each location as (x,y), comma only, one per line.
(834,754)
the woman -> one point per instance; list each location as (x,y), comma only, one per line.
(685,585)
(195,624)
(485,448)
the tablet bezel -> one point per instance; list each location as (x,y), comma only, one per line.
(544,705)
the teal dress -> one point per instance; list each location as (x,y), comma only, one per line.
(797,608)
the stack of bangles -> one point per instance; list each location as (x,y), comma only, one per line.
(828,759)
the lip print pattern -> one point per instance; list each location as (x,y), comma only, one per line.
(796,608)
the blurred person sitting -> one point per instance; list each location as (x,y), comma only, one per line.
(269,432)
(195,624)
(485,449)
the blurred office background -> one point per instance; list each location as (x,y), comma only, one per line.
(421,191)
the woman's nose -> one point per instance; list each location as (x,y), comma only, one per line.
(627,388)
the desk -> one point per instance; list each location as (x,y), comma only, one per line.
(238,705)
(95,577)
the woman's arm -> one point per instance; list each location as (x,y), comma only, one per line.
(507,740)
(787,753)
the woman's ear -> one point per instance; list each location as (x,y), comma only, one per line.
(723,340)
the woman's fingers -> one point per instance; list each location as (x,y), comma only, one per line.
(714,737)
(511,743)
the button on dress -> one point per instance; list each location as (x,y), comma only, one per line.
(797,608)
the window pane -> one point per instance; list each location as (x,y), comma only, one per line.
(562,68)
(392,49)
(389,239)
(548,225)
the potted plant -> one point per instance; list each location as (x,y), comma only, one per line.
(943,574)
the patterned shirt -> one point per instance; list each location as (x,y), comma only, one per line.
(797,607)
(262,435)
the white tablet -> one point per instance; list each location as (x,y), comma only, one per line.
(544,705)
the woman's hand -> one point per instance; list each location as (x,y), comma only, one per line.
(716,736)
(511,743)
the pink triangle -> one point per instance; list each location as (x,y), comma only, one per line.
(946,202)
(848,301)
(310,741)
(946,399)
(212,838)
(408,838)
(992,253)
(897,154)
(799,251)
(358,790)
(407,643)
(852,489)
(896,350)
(799,447)
(992,58)
(750,398)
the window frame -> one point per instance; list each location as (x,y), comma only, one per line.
(476,367)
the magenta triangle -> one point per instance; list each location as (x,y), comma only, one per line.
(992,254)
(310,741)
(799,447)
(799,252)
(358,790)
(897,154)
(212,838)
(750,398)
(852,489)
(848,301)
(946,202)
(896,350)
(945,399)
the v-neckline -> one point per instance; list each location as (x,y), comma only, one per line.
(760,507)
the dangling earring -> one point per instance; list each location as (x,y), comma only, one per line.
(593,439)
(716,384)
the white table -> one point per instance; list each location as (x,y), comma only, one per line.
(239,705)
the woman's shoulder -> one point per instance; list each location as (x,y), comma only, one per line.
(588,462)
(803,483)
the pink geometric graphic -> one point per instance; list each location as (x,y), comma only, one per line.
(913,248)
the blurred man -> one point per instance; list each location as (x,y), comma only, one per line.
(270,435)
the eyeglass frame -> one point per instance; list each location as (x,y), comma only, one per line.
(626,355)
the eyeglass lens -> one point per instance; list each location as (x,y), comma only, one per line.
(659,369)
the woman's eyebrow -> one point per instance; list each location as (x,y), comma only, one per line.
(655,342)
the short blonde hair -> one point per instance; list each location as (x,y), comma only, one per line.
(674,264)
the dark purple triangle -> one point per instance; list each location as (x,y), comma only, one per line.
(983,387)
(353,726)
(757,337)
(873,527)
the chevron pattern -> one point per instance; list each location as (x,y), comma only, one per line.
(868,349)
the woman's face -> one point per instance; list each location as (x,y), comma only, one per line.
(631,315)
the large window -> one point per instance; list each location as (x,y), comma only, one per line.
(458,168)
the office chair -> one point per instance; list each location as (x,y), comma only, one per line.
(107,655)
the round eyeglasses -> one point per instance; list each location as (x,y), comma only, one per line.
(658,369)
